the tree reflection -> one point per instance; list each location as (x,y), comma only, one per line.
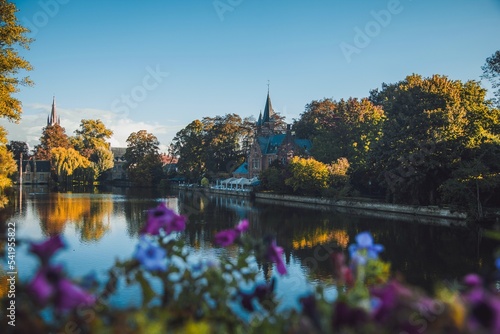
(89,214)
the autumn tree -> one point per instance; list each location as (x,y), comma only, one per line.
(308,176)
(143,159)
(52,136)
(66,161)
(491,72)
(12,37)
(91,140)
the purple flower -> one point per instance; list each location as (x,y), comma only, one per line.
(70,296)
(364,248)
(274,254)
(349,317)
(50,285)
(43,286)
(45,249)
(162,217)
(242,226)
(151,256)
(226,238)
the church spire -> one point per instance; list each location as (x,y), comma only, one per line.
(53,119)
(268,110)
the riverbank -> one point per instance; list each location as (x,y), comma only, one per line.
(427,214)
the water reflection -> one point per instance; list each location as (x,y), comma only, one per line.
(102,227)
(89,215)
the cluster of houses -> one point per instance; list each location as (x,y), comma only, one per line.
(269,145)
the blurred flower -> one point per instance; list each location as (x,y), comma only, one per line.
(70,295)
(49,285)
(45,249)
(364,248)
(162,217)
(261,292)
(151,256)
(274,254)
(345,316)
(341,271)
(242,226)
(43,286)
(226,238)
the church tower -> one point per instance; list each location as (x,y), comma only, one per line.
(53,119)
(265,124)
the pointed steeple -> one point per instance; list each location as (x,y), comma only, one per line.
(268,110)
(259,121)
(53,118)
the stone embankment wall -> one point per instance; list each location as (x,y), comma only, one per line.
(426,211)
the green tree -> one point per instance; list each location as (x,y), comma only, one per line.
(143,159)
(273,178)
(52,136)
(91,141)
(308,176)
(491,71)
(66,161)
(189,145)
(431,122)
(18,148)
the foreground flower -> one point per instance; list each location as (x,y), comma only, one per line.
(364,248)
(45,249)
(151,256)
(274,254)
(227,237)
(49,285)
(162,217)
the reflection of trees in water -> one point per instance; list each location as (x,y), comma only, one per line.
(89,213)
(422,253)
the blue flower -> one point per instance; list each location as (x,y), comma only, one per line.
(364,248)
(151,256)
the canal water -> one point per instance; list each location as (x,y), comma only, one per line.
(100,227)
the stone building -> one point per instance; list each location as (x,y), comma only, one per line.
(270,144)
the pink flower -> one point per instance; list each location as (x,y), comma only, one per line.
(226,238)
(43,287)
(274,254)
(45,249)
(242,226)
(162,217)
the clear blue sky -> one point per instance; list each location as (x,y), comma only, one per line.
(110,59)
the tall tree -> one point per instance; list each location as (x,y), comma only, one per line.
(12,37)
(491,71)
(7,167)
(189,144)
(143,159)
(52,136)
(67,161)
(431,123)
(18,148)
(91,141)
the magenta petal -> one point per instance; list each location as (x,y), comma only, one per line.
(242,226)
(70,296)
(226,237)
(162,217)
(41,288)
(45,249)
(274,254)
